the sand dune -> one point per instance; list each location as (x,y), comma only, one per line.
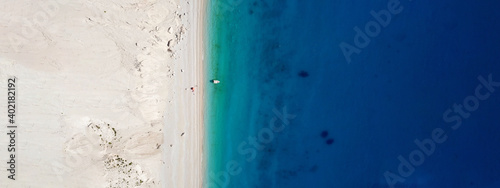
(103,92)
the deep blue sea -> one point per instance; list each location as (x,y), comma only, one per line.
(353,94)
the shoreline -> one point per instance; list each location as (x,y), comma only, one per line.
(202,51)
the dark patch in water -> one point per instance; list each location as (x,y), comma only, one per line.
(250,12)
(303,74)
(324,134)
(329,141)
(314,168)
(286,174)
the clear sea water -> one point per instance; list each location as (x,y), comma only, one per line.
(352,120)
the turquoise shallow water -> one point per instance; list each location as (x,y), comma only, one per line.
(348,122)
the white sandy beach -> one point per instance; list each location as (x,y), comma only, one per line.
(103,93)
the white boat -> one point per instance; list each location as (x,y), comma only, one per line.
(215,81)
